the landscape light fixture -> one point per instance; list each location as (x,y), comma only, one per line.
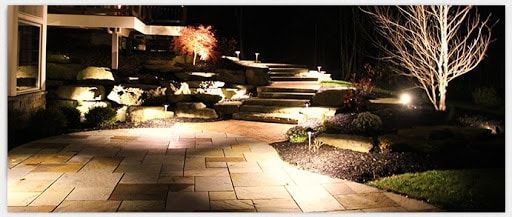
(306,104)
(166,106)
(405,99)
(256,54)
(310,131)
(319,68)
(237,54)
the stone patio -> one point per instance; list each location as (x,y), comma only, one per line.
(189,167)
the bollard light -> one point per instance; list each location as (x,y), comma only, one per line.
(310,131)
(237,54)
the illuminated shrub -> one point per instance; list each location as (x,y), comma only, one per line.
(101,117)
(47,122)
(486,96)
(367,122)
(296,134)
(72,115)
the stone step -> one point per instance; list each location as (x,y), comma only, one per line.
(276,102)
(288,73)
(286,89)
(288,69)
(271,109)
(283,65)
(292,78)
(268,117)
(285,95)
(312,111)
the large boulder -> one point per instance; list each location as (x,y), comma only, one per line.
(190,105)
(77,92)
(227,108)
(155,96)
(195,110)
(209,99)
(329,97)
(231,76)
(350,142)
(205,84)
(139,114)
(126,95)
(95,73)
(85,106)
(179,93)
(195,76)
(257,76)
(59,71)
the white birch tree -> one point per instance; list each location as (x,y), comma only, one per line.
(433,44)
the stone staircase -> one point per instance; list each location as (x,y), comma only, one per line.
(287,98)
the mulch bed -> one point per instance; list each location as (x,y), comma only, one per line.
(363,167)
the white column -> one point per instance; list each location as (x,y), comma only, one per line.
(115,49)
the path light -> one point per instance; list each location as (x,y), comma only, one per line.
(306,104)
(405,99)
(256,54)
(310,131)
(237,54)
(319,69)
(166,106)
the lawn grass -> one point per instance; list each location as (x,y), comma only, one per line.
(341,83)
(452,190)
(335,83)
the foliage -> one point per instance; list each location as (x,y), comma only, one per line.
(339,123)
(480,121)
(385,143)
(314,123)
(227,46)
(196,41)
(47,122)
(316,145)
(454,190)
(486,96)
(101,116)
(297,134)
(72,115)
(355,101)
(364,82)
(367,122)
(432,44)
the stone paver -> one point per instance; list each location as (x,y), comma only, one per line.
(189,167)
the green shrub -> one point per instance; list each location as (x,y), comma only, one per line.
(101,116)
(367,122)
(297,134)
(72,116)
(486,96)
(47,122)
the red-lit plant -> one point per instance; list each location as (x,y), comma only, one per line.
(196,41)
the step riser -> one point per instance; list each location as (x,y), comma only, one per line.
(270,109)
(279,78)
(275,103)
(286,74)
(283,96)
(265,119)
(294,90)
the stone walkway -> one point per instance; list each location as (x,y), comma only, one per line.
(183,168)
